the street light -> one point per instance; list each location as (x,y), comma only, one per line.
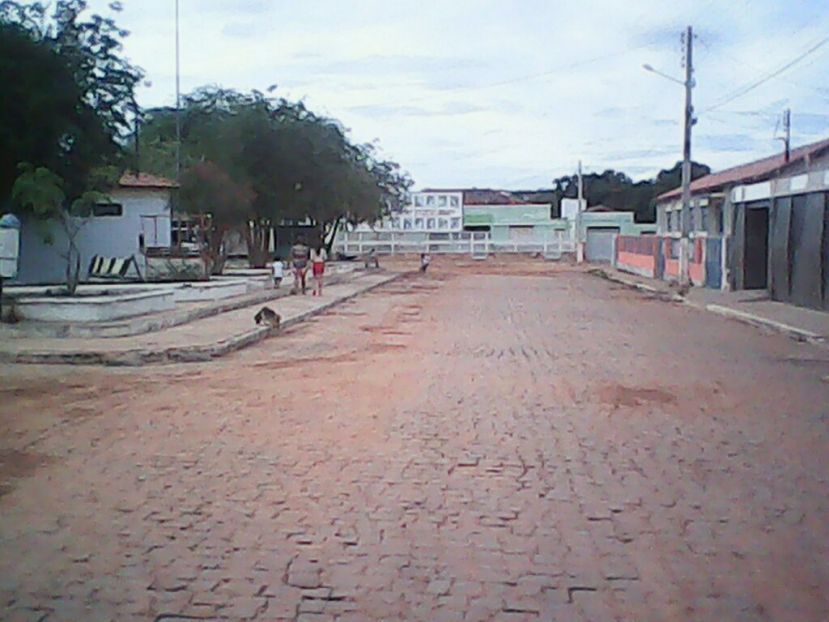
(688,83)
(648,67)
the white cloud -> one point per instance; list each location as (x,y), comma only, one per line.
(505,93)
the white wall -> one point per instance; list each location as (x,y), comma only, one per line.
(144,210)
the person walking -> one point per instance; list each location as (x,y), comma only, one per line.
(299,262)
(318,259)
(425,260)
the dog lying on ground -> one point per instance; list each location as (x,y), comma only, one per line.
(268,317)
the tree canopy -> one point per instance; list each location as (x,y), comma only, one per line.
(67,95)
(614,189)
(297,165)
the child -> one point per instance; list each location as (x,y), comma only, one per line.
(278,272)
(424,262)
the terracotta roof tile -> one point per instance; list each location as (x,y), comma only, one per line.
(753,171)
(145,180)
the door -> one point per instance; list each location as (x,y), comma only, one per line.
(756,254)
(600,245)
(713,265)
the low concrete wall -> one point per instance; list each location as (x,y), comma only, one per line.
(93,308)
(696,263)
(254,282)
(210,290)
(637,254)
(174,268)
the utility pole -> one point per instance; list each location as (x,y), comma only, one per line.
(581,187)
(137,136)
(787,127)
(178,105)
(577,224)
(685,242)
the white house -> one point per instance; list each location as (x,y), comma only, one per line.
(138,216)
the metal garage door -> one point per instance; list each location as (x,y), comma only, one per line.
(600,243)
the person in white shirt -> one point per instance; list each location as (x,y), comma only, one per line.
(318,259)
(425,260)
(278,271)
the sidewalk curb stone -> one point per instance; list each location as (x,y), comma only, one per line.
(751,319)
(179,354)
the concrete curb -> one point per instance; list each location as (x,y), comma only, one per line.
(180,354)
(792,332)
(140,325)
(798,334)
(642,287)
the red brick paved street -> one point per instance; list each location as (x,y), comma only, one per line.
(509,445)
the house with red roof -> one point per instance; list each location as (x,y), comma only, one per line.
(760,225)
(137,218)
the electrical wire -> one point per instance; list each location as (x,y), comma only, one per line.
(746,88)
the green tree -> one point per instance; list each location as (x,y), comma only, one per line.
(66,82)
(208,191)
(296,164)
(617,191)
(39,193)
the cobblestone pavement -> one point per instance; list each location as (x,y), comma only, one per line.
(491,446)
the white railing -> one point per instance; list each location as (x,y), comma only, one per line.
(475,244)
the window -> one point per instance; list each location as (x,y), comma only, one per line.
(703,224)
(407,223)
(443,223)
(430,200)
(442,200)
(454,202)
(430,223)
(418,223)
(418,200)
(456,223)
(108,209)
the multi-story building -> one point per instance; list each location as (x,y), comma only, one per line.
(430,212)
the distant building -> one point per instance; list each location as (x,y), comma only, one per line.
(430,211)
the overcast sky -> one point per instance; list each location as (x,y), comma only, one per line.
(508,93)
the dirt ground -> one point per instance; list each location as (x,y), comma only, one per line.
(499,440)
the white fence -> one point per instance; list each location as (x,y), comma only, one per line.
(475,244)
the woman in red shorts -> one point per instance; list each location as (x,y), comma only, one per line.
(318,259)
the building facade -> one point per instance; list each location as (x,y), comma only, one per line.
(138,216)
(430,212)
(730,244)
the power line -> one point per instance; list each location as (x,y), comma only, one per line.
(733,58)
(524,78)
(753,85)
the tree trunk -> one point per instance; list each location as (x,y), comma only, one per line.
(73,255)
(218,252)
(329,244)
(257,237)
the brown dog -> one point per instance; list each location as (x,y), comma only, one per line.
(268,317)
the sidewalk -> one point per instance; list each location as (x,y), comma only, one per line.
(200,340)
(748,306)
(183,313)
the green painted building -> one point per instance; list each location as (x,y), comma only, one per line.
(526,222)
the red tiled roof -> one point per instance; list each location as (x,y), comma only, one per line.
(483,196)
(145,180)
(753,171)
